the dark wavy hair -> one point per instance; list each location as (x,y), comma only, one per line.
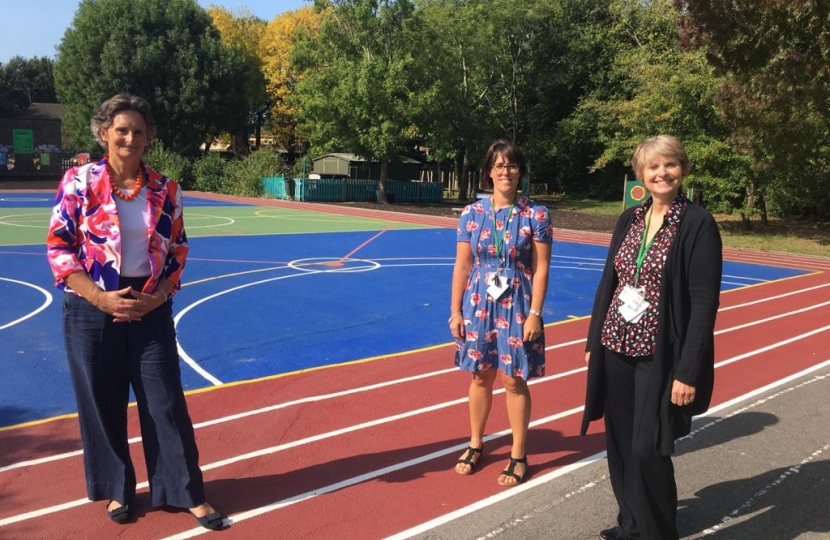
(120,103)
(507,149)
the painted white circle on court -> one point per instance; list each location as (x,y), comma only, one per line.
(31,314)
(333,264)
(190,215)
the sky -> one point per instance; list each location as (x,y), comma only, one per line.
(34,28)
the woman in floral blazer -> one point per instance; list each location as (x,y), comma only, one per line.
(117,248)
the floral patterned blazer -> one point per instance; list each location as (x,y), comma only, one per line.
(85,235)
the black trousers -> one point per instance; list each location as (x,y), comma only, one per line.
(105,359)
(642,480)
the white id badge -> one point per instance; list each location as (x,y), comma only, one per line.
(631,314)
(497,286)
(631,297)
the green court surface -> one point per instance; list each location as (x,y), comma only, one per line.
(24,226)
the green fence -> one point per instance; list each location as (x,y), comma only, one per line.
(340,190)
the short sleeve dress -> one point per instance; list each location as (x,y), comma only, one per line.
(493,328)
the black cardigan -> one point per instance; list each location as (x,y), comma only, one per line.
(689,298)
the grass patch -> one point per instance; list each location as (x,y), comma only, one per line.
(782,235)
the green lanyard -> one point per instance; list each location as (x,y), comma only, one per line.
(500,242)
(641,255)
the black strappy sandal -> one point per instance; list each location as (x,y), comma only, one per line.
(511,468)
(468,459)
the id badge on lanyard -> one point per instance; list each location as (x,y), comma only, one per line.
(633,298)
(633,304)
(497,283)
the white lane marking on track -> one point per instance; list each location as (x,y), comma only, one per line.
(537,481)
(382,385)
(31,314)
(364,425)
(777,297)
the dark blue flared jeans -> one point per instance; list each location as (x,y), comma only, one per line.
(105,360)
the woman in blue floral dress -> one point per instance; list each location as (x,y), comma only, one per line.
(499,285)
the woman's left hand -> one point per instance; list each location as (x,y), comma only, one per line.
(532,328)
(148,302)
(682,394)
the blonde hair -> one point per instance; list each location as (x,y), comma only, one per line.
(661,145)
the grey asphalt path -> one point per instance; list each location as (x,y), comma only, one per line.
(757,469)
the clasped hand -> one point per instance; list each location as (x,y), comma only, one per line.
(127,304)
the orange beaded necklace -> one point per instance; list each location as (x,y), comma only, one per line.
(139,183)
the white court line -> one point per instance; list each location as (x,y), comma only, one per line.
(31,314)
(325,489)
(190,361)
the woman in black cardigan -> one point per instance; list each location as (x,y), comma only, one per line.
(650,349)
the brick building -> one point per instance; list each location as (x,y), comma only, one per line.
(30,145)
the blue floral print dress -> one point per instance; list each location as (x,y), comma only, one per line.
(493,328)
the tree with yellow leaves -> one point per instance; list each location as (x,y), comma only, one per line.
(241,32)
(276,48)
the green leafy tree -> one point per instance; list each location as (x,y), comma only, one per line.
(459,79)
(166,51)
(23,82)
(775,60)
(357,80)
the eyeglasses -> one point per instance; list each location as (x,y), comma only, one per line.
(512,167)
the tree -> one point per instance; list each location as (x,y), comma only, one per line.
(275,49)
(23,82)
(241,32)
(459,79)
(166,51)
(357,80)
(775,96)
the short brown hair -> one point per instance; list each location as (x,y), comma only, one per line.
(510,151)
(661,145)
(120,103)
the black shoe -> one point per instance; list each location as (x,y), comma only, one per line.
(213,521)
(120,514)
(617,533)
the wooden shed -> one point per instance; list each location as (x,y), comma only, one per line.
(358,168)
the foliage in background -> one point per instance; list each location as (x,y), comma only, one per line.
(358,80)
(241,32)
(170,164)
(244,176)
(210,173)
(276,46)
(23,82)
(166,51)
(774,58)
(577,83)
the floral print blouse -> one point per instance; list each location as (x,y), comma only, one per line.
(84,232)
(640,338)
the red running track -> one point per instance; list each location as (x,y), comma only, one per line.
(367,450)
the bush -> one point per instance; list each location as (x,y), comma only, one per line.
(210,172)
(170,164)
(244,176)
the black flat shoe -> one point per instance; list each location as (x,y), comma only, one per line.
(120,514)
(617,533)
(213,521)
